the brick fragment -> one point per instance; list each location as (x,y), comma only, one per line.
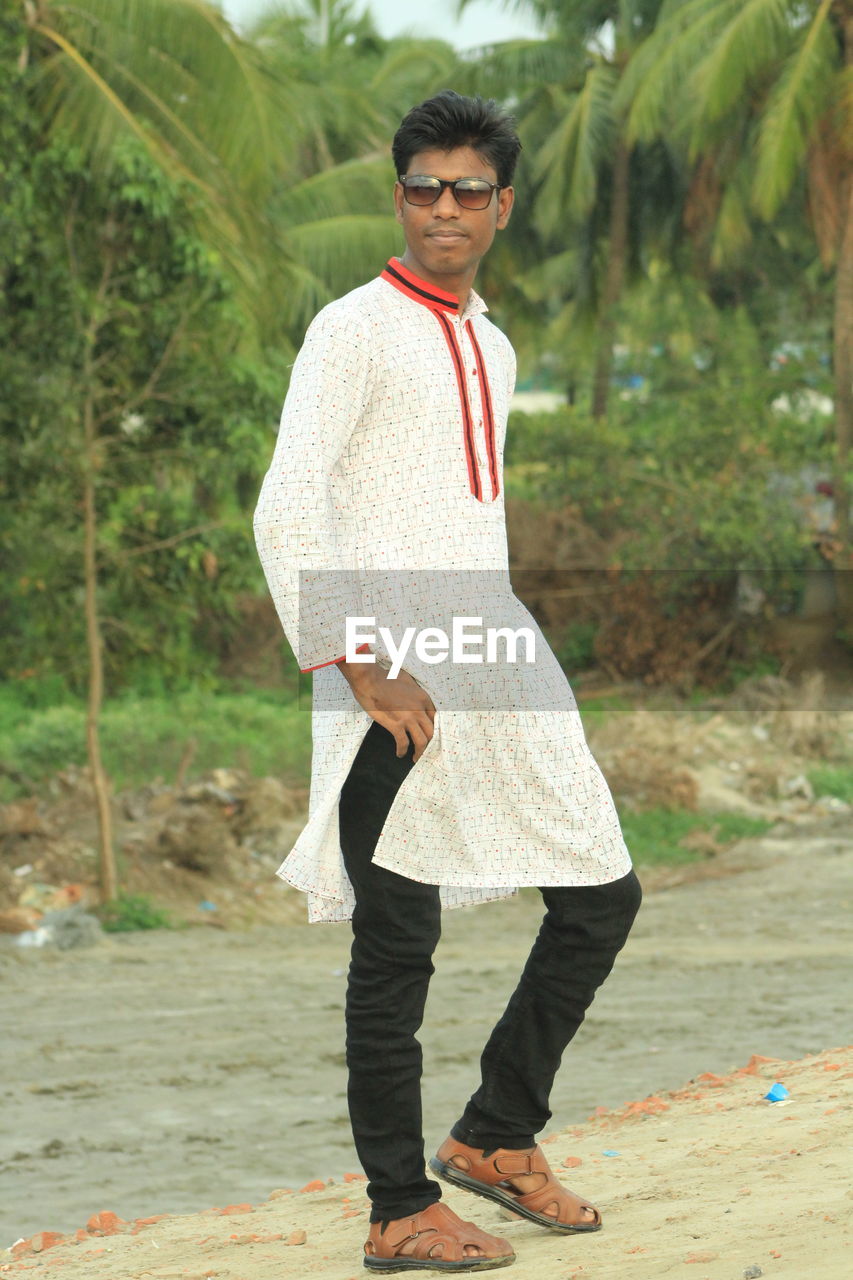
(45,1240)
(105,1223)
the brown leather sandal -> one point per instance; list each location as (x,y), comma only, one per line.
(490,1175)
(433,1240)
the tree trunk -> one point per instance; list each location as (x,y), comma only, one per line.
(94,644)
(614,278)
(843,373)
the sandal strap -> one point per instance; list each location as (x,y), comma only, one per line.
(437,1233)
(499,1167)
(554,1196)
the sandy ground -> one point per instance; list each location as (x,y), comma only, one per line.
(710,1183)
(164,1073)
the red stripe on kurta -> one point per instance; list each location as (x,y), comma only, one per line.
(488,414)
(458,365)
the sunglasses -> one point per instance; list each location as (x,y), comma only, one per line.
(470,193)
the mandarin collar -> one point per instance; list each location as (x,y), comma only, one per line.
(430,295)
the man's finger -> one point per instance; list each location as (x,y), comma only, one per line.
(420,739)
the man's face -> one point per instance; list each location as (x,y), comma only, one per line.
(444,242)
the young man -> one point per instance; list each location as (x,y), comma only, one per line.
(388,470)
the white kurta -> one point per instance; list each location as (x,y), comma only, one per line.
(389,459)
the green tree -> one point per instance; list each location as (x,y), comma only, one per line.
(760,95)
(175,82)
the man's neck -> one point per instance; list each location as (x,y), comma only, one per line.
(460,286)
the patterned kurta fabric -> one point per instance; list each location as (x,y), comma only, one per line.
(388,468)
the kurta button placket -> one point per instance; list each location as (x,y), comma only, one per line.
(478,439)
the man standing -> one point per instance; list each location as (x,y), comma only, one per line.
(388,467)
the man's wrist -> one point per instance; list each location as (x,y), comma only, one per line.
(358,673)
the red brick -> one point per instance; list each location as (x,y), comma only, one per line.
(106,1223)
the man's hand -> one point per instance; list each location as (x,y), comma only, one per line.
(400,705)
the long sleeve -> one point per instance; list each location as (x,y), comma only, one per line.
(303,532)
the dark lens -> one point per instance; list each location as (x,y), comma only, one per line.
(422,190)
(472,193)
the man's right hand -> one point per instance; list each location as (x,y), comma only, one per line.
(400,705)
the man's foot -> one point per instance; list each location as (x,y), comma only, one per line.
(434,1240)
(519,1180)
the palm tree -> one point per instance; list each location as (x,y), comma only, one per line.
(600,200)
(175,76)
(761,92)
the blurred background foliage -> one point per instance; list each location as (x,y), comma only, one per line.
(178,199)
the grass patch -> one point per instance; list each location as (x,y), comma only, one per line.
(130,912)
(594,710)
(143,738)
(658,835)
(829,780)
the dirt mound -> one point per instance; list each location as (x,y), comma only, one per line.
(750,752)
(207,850)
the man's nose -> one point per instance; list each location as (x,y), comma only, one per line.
(446,205)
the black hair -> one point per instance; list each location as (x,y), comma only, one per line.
(448,121)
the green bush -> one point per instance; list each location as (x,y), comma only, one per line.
(130,912)
(702,475)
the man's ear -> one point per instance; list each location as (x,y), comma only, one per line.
(398,201)
(506,199)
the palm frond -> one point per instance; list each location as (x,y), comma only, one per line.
(365,185)
(413,68)
(346,251)
(569,160)
(658,83)
(755,35)
(207,100)
(732,230)
(515,67)
(799,97)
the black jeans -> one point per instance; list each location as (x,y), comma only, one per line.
(396,926)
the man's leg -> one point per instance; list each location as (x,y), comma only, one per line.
(492,1147)
(583,931)
(396,926)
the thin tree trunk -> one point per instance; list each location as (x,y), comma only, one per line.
(94,644)
(843,372)
(614,278)
(94,639)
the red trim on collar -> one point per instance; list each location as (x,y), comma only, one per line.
(429,295)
